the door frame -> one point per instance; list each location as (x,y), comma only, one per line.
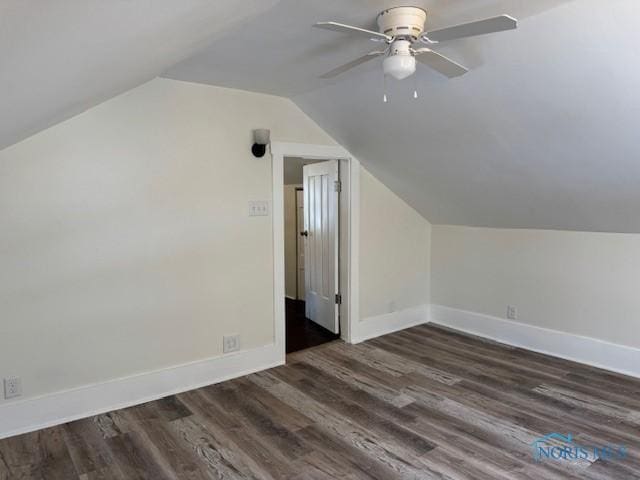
(349,232)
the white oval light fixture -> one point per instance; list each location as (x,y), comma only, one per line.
(400,63)
(399,66)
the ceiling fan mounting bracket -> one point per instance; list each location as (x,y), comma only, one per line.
(402,22)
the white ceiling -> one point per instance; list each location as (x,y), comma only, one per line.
(60,57)
(540,134)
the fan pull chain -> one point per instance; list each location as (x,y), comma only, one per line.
(415,86)
(384,93)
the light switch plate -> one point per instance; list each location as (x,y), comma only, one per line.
(258,208)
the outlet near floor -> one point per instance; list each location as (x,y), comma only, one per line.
(230,343)
(512,312)
(12,387)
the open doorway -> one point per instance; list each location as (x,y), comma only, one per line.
(349,244)
(312,251)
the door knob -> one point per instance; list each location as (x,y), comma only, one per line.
(304,233)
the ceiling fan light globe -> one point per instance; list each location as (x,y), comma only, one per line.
(399,66)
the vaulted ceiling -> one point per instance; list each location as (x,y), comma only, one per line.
(540,134)
(60,57)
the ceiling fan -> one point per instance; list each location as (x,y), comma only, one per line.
(402,29)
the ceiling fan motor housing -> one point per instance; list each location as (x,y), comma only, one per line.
(404,22)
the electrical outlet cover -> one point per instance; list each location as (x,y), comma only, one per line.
(230,343)
(512,312)
(12,387)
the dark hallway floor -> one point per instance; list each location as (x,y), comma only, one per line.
(301,332)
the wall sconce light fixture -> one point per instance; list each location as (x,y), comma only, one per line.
(261,139)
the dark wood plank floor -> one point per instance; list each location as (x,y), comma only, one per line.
(302,333)
(423,403)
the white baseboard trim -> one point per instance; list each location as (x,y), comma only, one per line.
(372,327)
(587,350)
(61,407)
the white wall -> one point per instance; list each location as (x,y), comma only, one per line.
(290,241)
(394,251)
(126,243)
(580,283)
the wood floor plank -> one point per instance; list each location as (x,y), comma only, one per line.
(256,421)
(176,454)
(279,412)
(580,375)
(361,407)
(85,458)
(89,451)
(505,378)
(222,459)
(500,416)
(133,457)
(378,448)
(54,461)
(171,408)
(256,453)
(334,456)
(424,403)
(369,381)
(212,458)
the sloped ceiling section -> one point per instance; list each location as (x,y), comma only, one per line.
(58,58)
(540,134)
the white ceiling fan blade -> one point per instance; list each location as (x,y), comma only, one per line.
(439,63)
(354,63)
(480,27)
(340,27)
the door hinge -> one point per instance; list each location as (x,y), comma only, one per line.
(338,299)
(337,186)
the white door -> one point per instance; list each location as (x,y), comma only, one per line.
(321,243)
(300,242)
